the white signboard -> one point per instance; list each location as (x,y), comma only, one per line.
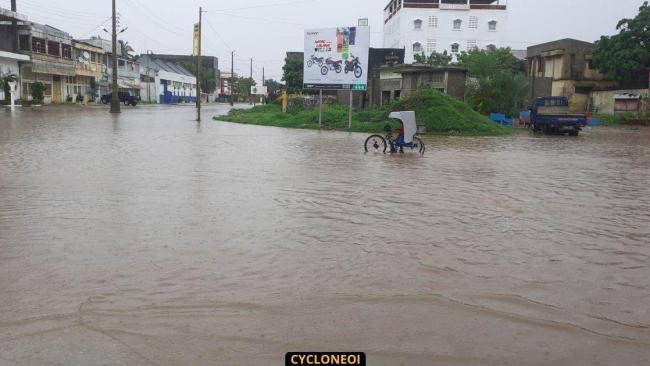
(259,90)
(336,58)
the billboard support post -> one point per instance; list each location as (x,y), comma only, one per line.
(350,112)
(320,109)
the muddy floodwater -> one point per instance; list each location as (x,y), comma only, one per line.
(147,239)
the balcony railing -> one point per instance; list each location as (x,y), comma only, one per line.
(444,6)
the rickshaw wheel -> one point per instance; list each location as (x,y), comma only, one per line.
(421,146)
(376,143)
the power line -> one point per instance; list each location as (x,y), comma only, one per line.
(35,5)
(264,6)
(266,20)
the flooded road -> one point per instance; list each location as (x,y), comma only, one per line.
(146,239)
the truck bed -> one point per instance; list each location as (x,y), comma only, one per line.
(558,111)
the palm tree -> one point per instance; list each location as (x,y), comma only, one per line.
(126,49)
(5,79)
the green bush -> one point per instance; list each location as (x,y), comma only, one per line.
(37,89)
(618,118)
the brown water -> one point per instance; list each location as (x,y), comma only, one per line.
(146,239)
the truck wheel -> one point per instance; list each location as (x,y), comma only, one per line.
(574,133)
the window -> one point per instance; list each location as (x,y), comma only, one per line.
(38,45)
(437,78)
(23,41)
(492,25)
(471,45)
(53,48)
(431,46)
(473,22)
(417,47)
(455,47)
(66,51)
(458,24)
(433,22)
(417,24)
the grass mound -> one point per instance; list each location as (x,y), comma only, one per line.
(445,115)
(439,112)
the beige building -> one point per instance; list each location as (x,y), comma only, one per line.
(88,70)
(400,80)
(50,50)
(564,68)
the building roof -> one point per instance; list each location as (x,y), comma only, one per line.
(88,46)
(7,15)
(424,3)
(158,64)
(561,44)
(519,54)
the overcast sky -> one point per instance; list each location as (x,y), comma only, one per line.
(266,29)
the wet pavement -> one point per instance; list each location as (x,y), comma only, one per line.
(148,239)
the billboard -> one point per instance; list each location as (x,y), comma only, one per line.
(336,58)
(259,90)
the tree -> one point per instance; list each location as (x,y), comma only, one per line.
(293,73)
(242,88)
(484,63)
(274,88)
(5,79)
(126,49)
(434,59)
(496,82)
(626,56)
(37,89)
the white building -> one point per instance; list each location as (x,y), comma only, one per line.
(426,26)
(165,82)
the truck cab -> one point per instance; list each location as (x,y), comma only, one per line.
(551,115)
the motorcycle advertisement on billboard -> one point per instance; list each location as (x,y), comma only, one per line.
(336,58)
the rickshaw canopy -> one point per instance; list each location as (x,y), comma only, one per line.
(410,125)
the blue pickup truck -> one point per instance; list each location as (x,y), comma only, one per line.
(551,115)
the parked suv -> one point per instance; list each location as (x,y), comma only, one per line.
(125,97)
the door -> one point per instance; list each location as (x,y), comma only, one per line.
(56,89)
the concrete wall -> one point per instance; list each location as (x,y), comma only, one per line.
(603,101)
(9,37)
(456,82)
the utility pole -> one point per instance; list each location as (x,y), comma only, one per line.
(115,98)
(149,55)
(250,99)
(198,69)
(264,95)
(232,78)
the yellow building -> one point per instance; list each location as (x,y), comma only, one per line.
(88,69)
(564,68)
